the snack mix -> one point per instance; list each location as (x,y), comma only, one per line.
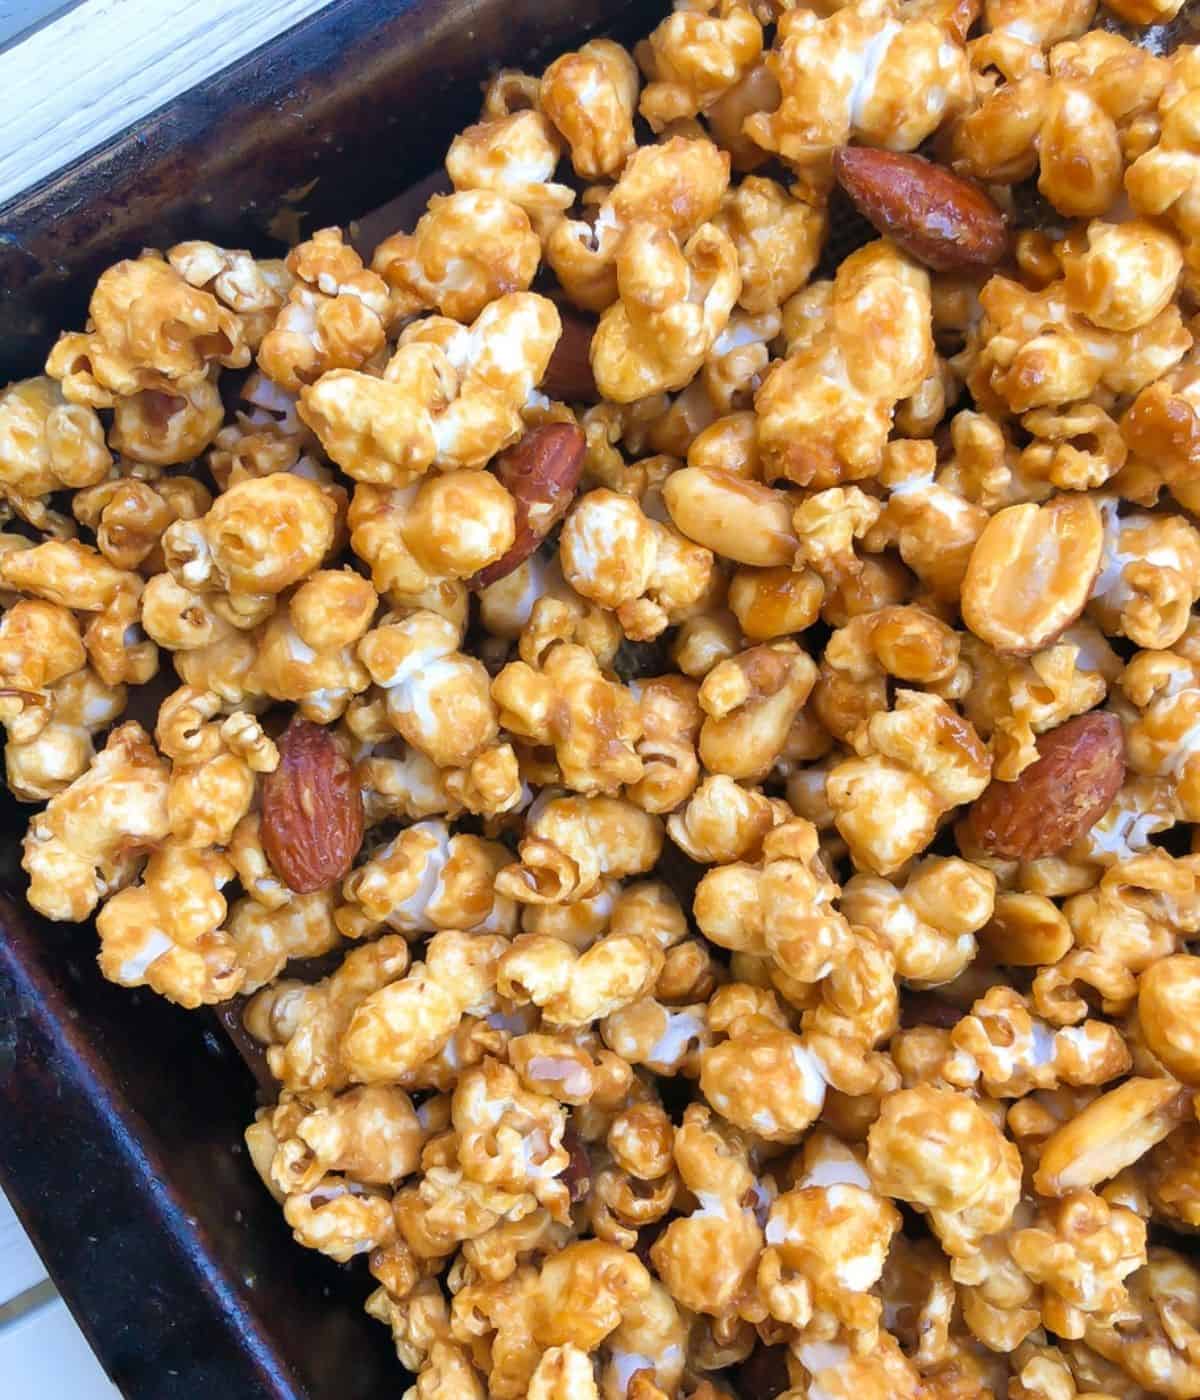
(718,695)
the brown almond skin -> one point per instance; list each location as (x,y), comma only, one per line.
(569,374)
(542,472)
(936,216)
(1059,797)
(576,1176)
(312,811)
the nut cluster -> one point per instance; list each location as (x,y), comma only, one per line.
(729,734)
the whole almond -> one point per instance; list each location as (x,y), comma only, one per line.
(1059,797)
(936,216)
(542,472)
(312,811)
(569,374)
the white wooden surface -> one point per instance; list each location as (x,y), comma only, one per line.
(43,1355)
(98,68)
(66,88)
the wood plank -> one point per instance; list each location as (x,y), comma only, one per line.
(113,61)
(44,1355)
(20,1267)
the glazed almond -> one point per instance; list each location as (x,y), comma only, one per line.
(936,216)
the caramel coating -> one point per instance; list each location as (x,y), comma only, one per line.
(799,829)
(862,345)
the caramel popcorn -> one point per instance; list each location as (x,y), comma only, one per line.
(513,155)
(672,304)
(335,315)
(450,396)
(46,443)
(254,289)
(258,538)
(778,237)
(1011,700)
(592,723)
(147,329)
(938,1150)
(426,879)
(912,765)
(166,932)
(87,842)
(929,921)
(826,1246)
(1039,351)
(615,555)
(675,187)
(1083,114)
(51,732)
(468,249)
(782,909)
(394,1030)
(750,702)
(1149,578)
(707,1258)
(302,1025)
(867,72)
(437,698)
(735,874)
(590,96)
(695,56)
(670,718)
(904,643)
(861,346)
(572,843)
(1156,1347)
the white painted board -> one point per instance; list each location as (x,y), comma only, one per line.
(114,61)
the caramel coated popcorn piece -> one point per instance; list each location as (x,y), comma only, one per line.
(707,1258)
(675,186)
(302,1024)
(515,156)
(46,443)
(826,410)
(1149,578)
(572,843)
(394,1030)
(783,908)
(929,921)
(51,733)
(750,702)
(939,1150)
(86,842)
(615,555)
(865,72)
(450,396)
(468,249)
(253,288)
(672,304)
(147,329)
(592,722)
(591,96)
(424,879)
(1037,350)
(335,316)
(166,932)
(696,55)
(913,764)
(259,537)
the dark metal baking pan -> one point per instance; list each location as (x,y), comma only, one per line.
(121,1116)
